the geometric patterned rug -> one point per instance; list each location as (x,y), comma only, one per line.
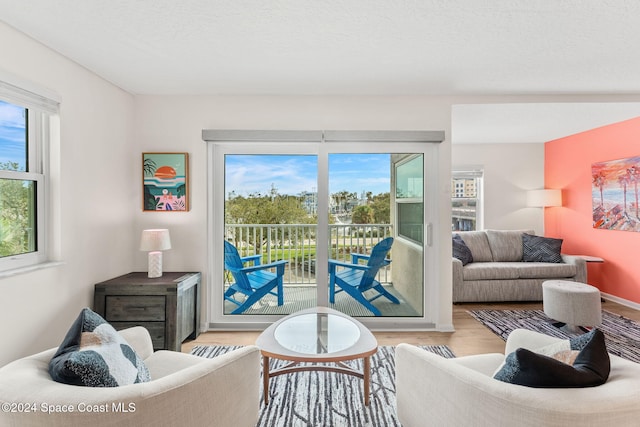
(329,399)
(622,335)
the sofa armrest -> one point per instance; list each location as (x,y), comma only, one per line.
(523,338)
(457,277)
(432,390)
(139,338)
(438,391)
(581,267)
(225,389)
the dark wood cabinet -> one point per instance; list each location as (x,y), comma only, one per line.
(168,306)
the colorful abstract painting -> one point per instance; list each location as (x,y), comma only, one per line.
(165,182)
(615,194)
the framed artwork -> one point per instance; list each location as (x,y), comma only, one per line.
(165,182)
(615,194)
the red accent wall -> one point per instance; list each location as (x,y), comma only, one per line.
(568,167)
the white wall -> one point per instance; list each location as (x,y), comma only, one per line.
(509,171)
(96,195)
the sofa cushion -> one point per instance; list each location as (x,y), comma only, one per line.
(94,354)
(506,245)
(546,270)
(461,251)
(541,249)
(491,271)
(477,242)
(590,367)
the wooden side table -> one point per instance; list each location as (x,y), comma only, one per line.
(168,306)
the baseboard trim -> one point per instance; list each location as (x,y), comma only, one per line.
(620,301)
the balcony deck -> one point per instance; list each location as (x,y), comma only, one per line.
(300,297)
(296,244)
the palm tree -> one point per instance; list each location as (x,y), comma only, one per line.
(599,181)
(634,176)
(623,180)
(149,167)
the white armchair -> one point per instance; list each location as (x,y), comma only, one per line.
(184,390)
(461,392)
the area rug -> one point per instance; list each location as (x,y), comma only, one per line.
(329,399)
(622,335)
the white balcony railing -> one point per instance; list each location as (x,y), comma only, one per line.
(296,243)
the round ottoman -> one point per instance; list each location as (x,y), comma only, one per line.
(573,303)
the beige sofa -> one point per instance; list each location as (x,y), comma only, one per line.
(432,390)
(497,272)
(185,390)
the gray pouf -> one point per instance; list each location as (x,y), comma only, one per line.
(573,303)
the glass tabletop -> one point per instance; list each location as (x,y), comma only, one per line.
(317,333)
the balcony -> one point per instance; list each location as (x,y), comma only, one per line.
(296,243)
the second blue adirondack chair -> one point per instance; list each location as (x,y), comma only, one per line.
(355,278)
(254,281)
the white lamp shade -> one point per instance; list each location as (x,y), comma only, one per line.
(544,198)
(155,240)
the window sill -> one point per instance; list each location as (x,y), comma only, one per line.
(29,269)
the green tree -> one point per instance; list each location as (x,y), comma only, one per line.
(362,215)
(381,205)
(16,214)
(268,209)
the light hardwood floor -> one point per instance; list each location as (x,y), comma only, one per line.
(470,336)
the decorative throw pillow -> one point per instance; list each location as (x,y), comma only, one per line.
(590,364)
(94,354)
(541,249)
(461,251)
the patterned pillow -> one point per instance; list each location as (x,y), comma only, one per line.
(541,249)
(94,354)
(461,251)
(588,364)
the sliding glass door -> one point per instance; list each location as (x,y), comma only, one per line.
(326,223)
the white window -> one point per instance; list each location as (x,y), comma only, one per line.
(409,198)
(24,140)
(466,199)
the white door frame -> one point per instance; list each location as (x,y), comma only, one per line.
(221,143)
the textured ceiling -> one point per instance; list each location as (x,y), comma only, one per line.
(345,47)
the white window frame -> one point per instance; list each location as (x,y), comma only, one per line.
(410,201)
(43,108)
(472,172)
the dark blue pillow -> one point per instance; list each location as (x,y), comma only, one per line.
(541,249)
(461,251)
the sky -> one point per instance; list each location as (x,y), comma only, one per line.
(247,174)
(12,134)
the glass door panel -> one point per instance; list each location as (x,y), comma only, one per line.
(270,216)
(376,268)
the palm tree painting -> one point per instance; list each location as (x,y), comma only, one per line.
(614,193)
(165,181)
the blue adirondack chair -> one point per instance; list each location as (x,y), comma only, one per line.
(254,281)
(356,278)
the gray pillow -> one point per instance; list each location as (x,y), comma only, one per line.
(461,251)
(541,249)
(94,354)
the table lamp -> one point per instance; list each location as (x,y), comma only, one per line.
(155,241)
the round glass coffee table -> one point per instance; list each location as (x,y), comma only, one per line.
(317,336)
